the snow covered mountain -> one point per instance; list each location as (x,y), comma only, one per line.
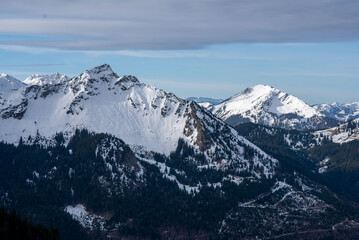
(341,112)
(143,116)
(11,98)
(112,141)
(42,79)
(9,83)
(269,106)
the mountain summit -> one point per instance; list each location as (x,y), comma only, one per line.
(266,105)
(9,83)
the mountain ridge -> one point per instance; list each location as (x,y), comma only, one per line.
(266,105)
(8,83)
(341,112)
(41,79)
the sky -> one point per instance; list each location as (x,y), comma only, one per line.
(204,48)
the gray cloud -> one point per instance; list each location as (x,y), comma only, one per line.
(170,24)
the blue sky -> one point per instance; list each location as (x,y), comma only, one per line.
(206,48)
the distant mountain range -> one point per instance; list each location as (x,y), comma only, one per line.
(271,107)
(205,102)
(341,112)
(42,79)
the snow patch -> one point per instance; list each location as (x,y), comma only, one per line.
(86,219)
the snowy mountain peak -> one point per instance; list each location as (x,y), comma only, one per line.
(8,83)
(269,99)
(103,70)
(94,77)
(259,87)
(269,106)
(41,79)
(256,92)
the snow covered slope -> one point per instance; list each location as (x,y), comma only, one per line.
(141,115)
(269,106)
(341,112)
(42,79)
(9,83)
(12,100)
(343,133)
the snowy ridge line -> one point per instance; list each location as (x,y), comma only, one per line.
(42,79)
(266,105)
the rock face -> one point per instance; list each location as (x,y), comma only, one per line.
(269,106)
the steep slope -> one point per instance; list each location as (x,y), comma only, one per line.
(42,79)
(12,100)
(9,83)
(269,106)
(341,112)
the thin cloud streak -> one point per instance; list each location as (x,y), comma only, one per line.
(34,65)
(177,54)
(203,53)
(308,74)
